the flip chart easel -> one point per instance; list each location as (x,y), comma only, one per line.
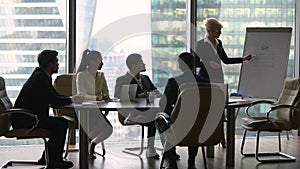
(264,75)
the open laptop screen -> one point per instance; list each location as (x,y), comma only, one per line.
(128,93)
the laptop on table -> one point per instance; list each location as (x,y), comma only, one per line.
(128,93)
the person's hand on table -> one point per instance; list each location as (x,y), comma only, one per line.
(247,57)
(143,95)
(103,97)
(77,98)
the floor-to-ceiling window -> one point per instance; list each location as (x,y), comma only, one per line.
(169,26)
(26,28)
(158,30)
(154,28)
(235,17)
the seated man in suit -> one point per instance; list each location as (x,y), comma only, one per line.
(136,65)
(186,63)
(37,94)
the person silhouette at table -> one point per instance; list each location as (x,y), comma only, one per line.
(36,95)
(91,83)
(210,53)
(186,63)
(136,65)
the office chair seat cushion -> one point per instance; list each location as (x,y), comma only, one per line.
(23,133)
(132,120)
(249,120)
(140,120)
(263,124)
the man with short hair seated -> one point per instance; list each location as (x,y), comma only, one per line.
(36,95)
(186,63)
(136,65)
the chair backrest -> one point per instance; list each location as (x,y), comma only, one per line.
(5,104)
(197,115)
(290,95)
(65,84)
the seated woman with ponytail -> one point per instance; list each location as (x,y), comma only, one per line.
(91,83)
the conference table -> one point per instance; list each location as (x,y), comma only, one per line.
(142,106)
(83,109)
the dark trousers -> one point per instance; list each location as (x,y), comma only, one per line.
(151,129)
(171,155)
(58,127)
(192,152)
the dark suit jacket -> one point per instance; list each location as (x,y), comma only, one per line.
(171,91)
(37,94)
(128,79)
(205,52)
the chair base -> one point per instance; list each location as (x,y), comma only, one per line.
(70,131)
(76,149)
(103,150)
(281,157)
(138,151)
(11,164)
(130,150)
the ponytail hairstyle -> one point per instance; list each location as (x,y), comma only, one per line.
(87,57)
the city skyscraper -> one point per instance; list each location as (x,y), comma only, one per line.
(26,28)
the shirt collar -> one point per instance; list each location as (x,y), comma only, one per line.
(208,41)
(130,74)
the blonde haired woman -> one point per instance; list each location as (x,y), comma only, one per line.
(210,53)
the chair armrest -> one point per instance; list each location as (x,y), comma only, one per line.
(281,106)
(25,112)
(258,102)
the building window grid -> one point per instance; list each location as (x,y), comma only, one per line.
(26,29)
